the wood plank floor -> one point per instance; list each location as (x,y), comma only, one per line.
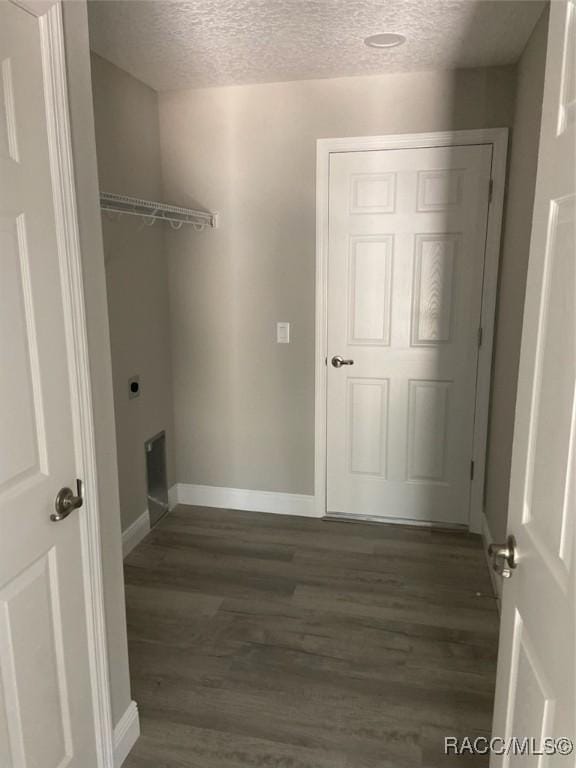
(264,641)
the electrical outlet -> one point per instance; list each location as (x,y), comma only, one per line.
(134,387)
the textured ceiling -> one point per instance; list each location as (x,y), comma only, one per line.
(222,42)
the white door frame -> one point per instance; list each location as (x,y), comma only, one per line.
(498,138)
(49,14)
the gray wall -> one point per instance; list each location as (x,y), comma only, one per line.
(513,267)
(245,405)
(127,140)
(82,124)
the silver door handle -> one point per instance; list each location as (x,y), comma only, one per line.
(338,361)
(504,557)
(66,501)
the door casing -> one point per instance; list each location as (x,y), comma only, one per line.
(50,19)
(498,138)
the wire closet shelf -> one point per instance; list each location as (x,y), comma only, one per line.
(152,211)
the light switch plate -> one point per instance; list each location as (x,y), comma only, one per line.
(283,333)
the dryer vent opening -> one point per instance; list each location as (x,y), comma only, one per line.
(157,483)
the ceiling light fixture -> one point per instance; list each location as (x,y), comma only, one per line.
(385,40)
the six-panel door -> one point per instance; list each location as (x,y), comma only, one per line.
(407,231)
(46,712)
(536,681)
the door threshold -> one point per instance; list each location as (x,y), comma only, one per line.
(344,517)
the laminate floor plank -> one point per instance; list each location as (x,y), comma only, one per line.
(263,641)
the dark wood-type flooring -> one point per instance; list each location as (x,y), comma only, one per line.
(264,641)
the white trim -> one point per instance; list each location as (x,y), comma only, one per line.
(135,532)
(172,497)
(498,138)
(487,319)
(64,192)
(36,7)
(126,734)
(487,540)
(246,500)
(412,140)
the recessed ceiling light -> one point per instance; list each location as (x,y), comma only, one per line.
(385,40)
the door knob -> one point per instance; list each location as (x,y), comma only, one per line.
(503,557)
(338,361)
(66,501)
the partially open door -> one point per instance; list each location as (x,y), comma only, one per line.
(53,679)
(535,694)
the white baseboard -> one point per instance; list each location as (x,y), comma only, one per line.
(246,500)
(172,497)
(126,734)
(487,540)
(135,532)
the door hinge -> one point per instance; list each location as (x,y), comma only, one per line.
(480,334)
(490,190)
(472,470)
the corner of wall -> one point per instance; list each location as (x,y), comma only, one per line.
(129,162)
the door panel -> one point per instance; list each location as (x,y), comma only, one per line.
(8,135)
(433,280)
(368,424)
(536,681)
(428,409)
(533,710)
(27,456)
(407,232)
(370,290)
(439,190)
(552,427)
(35,685)
(46,714)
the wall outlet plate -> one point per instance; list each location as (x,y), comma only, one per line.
(134,387)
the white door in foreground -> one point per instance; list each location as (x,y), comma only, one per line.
(407,233)
(535,694)
(46,711)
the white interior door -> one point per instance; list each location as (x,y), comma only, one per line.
(407,233)
(46,710)
(536,672)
